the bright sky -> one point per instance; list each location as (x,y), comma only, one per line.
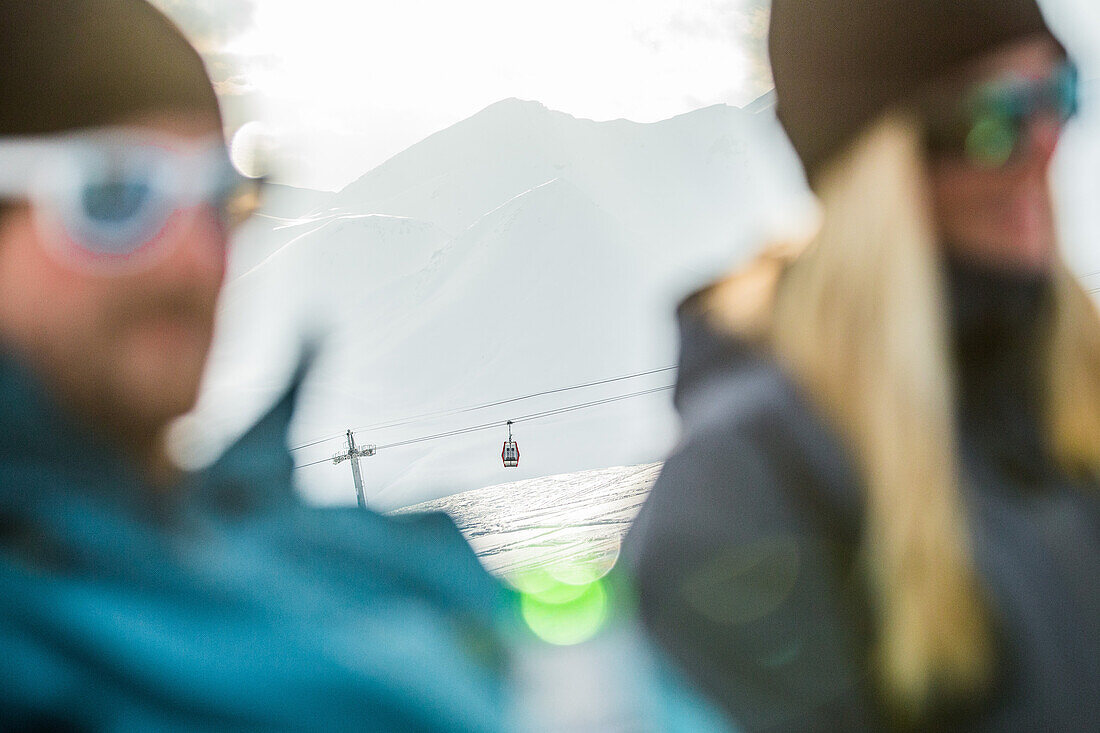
(345,84)
(348,83)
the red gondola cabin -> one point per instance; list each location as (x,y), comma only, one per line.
(510,453)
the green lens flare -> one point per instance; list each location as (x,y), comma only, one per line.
(564,614)
(532,582)
(581,573)
(991,142)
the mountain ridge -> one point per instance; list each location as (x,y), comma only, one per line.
(519,250)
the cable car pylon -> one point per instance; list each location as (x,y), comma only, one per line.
(510,453)
(353,454)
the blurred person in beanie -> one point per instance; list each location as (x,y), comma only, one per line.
(885,510)
(134,596)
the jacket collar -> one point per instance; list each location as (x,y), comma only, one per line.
(730,383)
(38,437)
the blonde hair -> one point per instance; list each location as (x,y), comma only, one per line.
(858,317)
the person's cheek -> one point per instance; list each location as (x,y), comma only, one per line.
(200,255)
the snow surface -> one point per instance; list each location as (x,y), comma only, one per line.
(577,518)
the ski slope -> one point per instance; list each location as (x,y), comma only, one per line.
(577,518)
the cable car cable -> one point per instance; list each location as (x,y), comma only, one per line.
(313,463)
(499,423)
(460,410)
(527,418)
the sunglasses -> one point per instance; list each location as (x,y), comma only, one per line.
(991,125)
(115,196)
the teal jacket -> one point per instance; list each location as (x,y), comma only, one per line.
(225,604)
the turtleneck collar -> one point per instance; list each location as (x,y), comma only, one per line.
(1000,324)
(35,430)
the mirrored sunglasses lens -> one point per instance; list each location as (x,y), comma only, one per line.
(1066,93)
(127,196)
(117,212)
(1002,117)
(117,202)
(993,140)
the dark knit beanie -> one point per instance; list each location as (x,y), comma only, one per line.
(73,64)
(839,64)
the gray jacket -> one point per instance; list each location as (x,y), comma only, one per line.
(745,556)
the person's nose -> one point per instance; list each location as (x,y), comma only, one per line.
(1044,134)
(200,254)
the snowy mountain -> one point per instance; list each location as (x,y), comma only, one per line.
(519,251)
(655,178)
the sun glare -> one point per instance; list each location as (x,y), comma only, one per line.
(252,148)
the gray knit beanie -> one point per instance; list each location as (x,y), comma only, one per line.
(73,64)
(838,64)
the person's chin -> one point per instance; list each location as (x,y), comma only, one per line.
(1032,251)
(164,368)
